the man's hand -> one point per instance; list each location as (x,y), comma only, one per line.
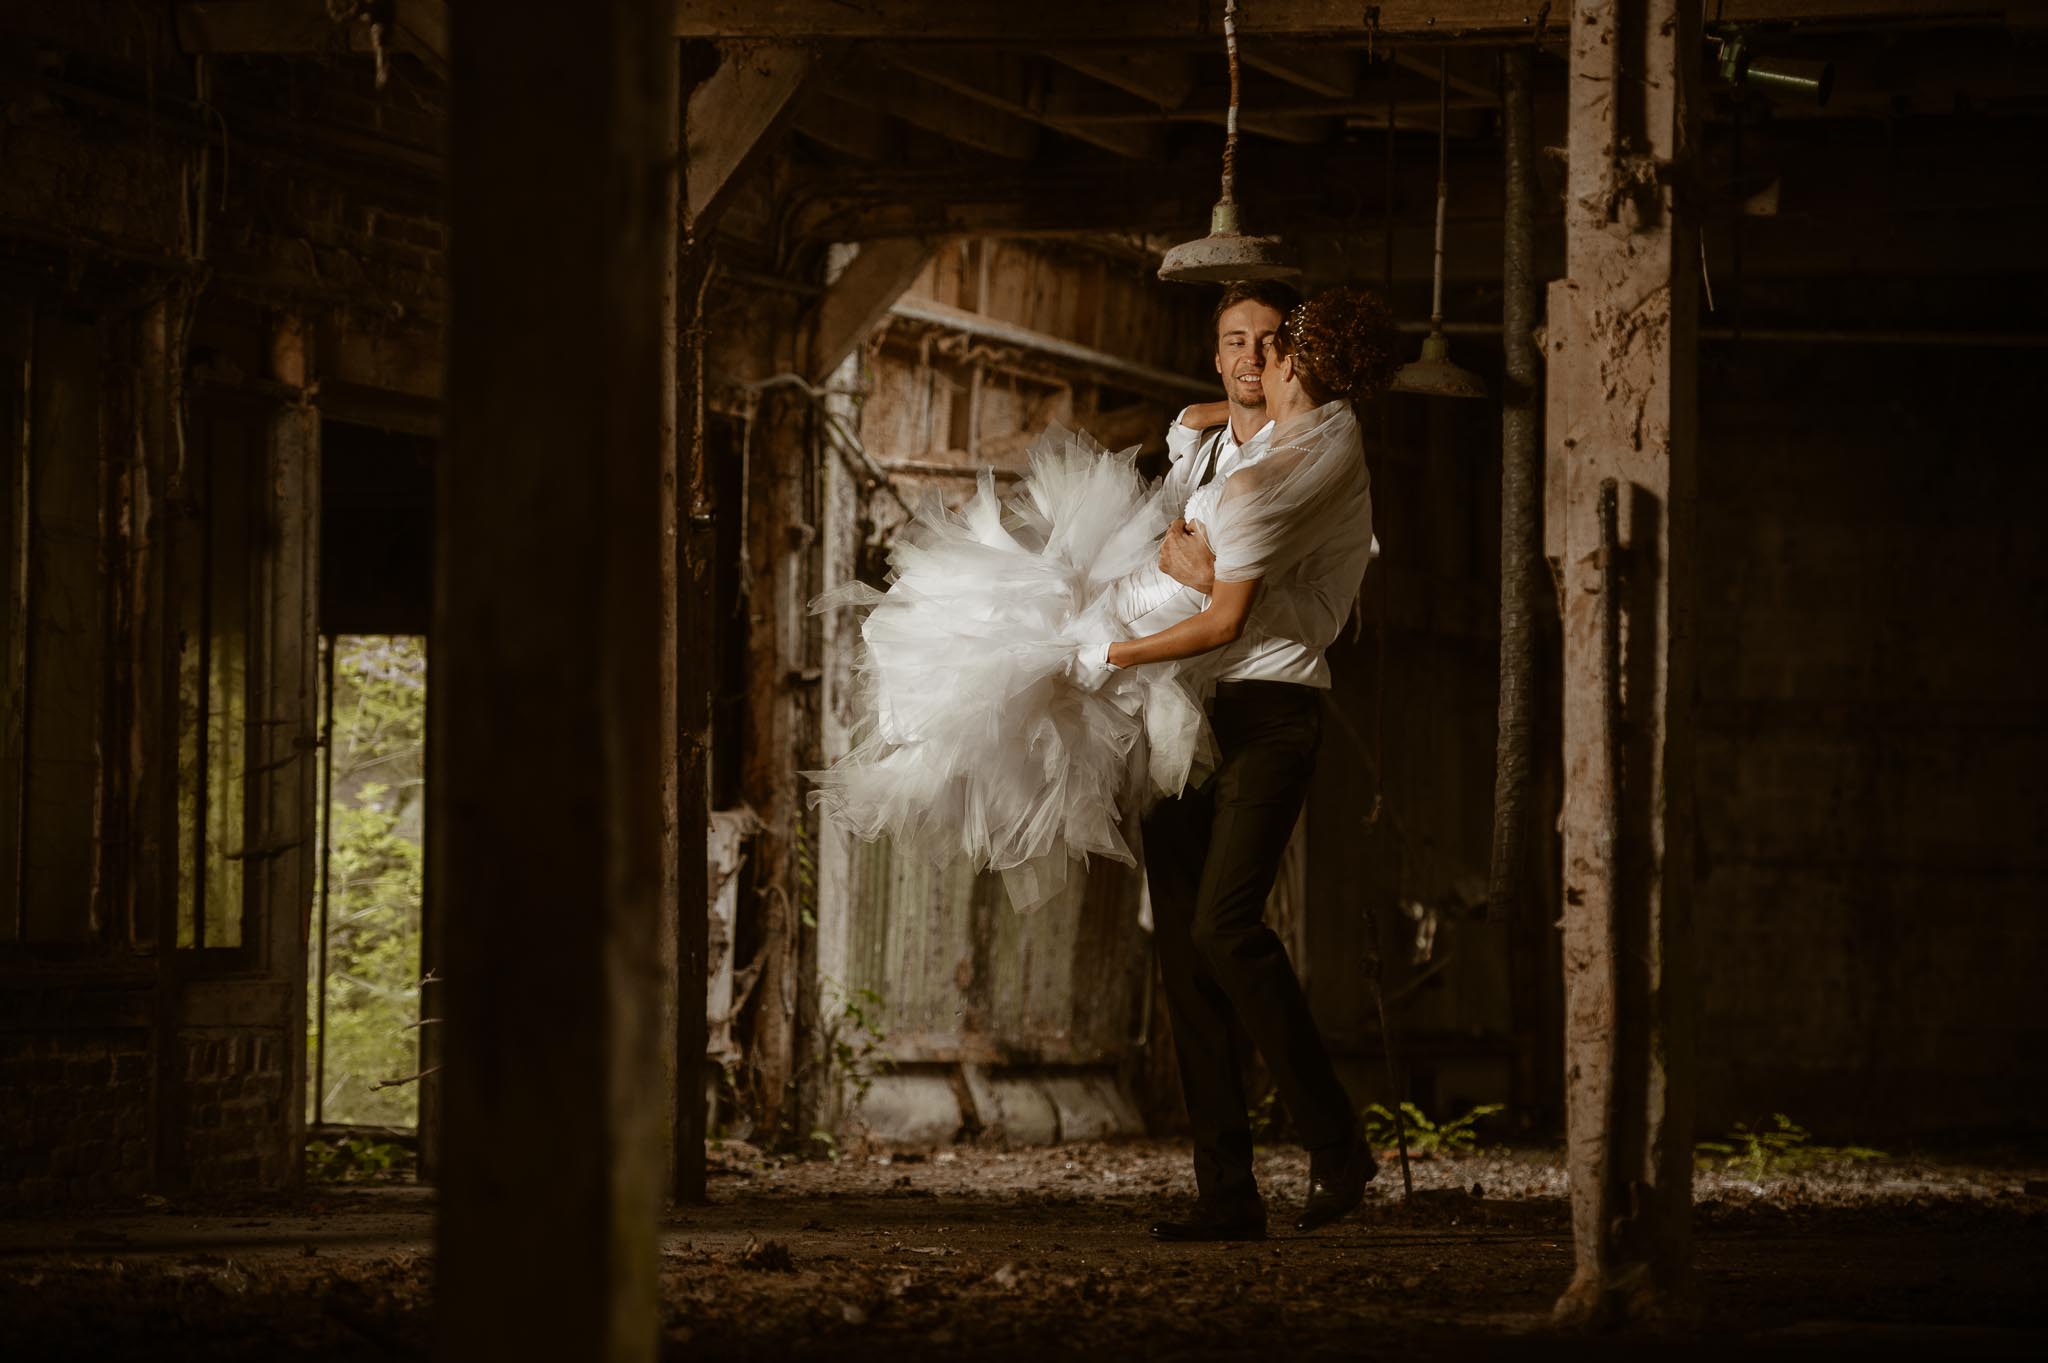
(1185,556)
(1201,416)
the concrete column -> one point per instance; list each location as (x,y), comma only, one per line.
(1622,338)
(546,790)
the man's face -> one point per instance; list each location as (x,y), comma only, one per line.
(1241,334)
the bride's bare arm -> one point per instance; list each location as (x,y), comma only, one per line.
(1221,623)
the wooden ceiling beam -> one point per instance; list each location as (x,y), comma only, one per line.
(289,27)
(1467,74)
(969,123)
(849,129)
(1327,70)
(1017,85)
(1304,122)
(734,114)
(1044,23)
(1162,79)
(856,302)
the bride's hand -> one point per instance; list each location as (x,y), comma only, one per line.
(1088,666)
(1200,416)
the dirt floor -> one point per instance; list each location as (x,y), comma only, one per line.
(1028,1255)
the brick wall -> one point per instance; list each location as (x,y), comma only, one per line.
(74,1116)
(235,1091)
(1873,814)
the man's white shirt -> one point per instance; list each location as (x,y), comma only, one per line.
(1302,608)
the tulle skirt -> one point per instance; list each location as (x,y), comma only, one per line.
(976,738)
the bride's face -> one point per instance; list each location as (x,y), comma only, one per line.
(1276,373)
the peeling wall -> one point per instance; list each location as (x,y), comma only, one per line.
(172,235)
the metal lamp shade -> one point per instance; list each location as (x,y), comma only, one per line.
(1227,255)
(1435,376)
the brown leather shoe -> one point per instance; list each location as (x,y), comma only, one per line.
(1336,1185)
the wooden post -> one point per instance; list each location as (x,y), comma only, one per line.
(696,641)
(1622,336)
(688,671)
(546,789)
(776,587)
(285,746)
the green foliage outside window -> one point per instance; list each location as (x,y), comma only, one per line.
(375,881)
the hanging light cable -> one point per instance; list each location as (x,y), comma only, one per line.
(1227,254)
(1434,375)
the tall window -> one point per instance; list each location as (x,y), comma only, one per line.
(216,566)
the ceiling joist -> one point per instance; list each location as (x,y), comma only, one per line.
(1067,22)
(943,113)
(1019,86)
(734,114)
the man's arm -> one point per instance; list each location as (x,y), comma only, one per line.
(1185,556)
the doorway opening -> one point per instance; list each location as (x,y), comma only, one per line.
(368,924)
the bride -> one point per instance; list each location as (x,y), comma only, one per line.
(1031,674)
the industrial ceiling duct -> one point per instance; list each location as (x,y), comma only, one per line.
(1227,254)
(1433,375)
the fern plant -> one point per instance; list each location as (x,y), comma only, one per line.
(1454,1136)
(1783,1147)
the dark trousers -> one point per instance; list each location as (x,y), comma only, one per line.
(1210,858)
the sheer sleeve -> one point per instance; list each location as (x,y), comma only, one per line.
(1274,512)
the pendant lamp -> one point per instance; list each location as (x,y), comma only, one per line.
(1227,254)
(1434,375)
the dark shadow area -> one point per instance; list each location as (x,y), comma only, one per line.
(989,1254)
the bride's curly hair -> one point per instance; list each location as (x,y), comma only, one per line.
(1343,343)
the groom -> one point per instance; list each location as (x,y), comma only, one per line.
(1211,855)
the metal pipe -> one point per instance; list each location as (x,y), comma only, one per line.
(326,871)
(1230,118)
(1443,182)
(1144,377)
(2017,340)
(1520,478)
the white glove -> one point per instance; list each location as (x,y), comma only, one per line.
(1088,667)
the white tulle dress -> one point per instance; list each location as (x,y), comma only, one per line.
(981,736)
